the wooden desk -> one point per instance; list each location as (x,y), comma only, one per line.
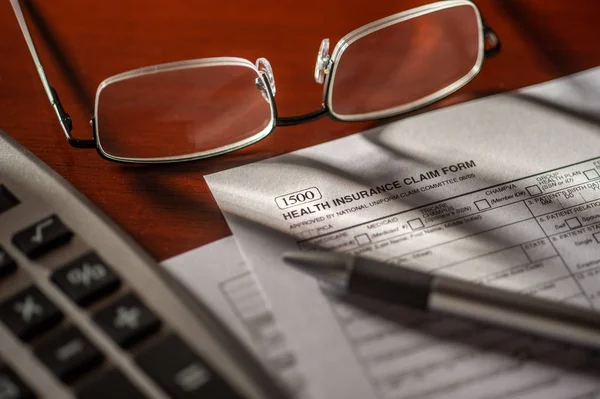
(169,209)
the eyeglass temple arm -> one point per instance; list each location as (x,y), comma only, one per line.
(63,116)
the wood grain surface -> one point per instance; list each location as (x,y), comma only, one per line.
(169,208)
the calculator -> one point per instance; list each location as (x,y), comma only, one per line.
(86,313)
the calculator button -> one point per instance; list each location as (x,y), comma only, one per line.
(7,266)
(86,279)
(7,201)
(42,237)
(29,313)
(68,355)
(127,320)
(181,373)
(11,386)
(110,385)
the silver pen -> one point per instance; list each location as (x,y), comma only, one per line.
(413,288)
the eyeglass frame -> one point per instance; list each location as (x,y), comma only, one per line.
(325,64)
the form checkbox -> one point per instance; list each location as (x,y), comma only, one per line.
(533,190)
(597,237)
(416,223)
(305,234)
(573,223)
(482,204)
(591,174)
(362,239)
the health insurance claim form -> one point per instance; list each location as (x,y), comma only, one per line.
(504,191)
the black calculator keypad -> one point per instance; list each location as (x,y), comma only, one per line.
(68,355)
(86,279)
(29,313)
(127,320)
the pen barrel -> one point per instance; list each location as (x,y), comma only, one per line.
(516,311)
(390,283)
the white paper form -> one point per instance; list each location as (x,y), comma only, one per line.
(504,191)
(217,274)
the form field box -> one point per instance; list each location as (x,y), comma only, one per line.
(482,204)
(362,239)
(539,249)
(591,174)
(533,190)
(597,237)
(528,276)
(573,223)
(487,265)
(416,223)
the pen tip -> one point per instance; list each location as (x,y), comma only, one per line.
(293,256)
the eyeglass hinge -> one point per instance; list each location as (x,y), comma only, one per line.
(85,143)
(67,123)
(77,143)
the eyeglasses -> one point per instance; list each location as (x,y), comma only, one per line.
(207,107)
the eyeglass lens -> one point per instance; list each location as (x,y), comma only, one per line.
(405,62)
(188,111)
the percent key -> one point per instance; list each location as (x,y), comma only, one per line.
(86,279)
